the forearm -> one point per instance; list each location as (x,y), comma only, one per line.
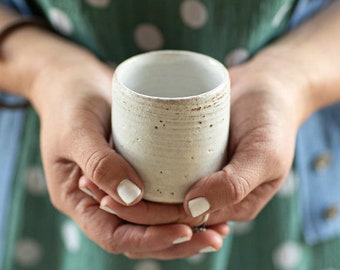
(312,51)
(30,51)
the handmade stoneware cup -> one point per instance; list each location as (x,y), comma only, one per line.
(170,119)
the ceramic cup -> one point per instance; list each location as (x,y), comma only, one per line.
(170,119)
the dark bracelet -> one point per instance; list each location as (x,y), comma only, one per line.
(14,105)
(19,23)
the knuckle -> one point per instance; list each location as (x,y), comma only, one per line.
(141,239)
(97,164)
(237,191)
(110,247)
(117,241)
(239,187)
(105,239)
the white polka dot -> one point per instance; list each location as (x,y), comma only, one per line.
(196,259)
(148,37)
(193,13)
(287,256)
(35,181)
(71,236)
(60,21)
(28,252)
(281,14)
(241,228)
(147,265)
(288,186)
(236,57)
(98,3)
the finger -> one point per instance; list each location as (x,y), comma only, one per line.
(251,206)
(150,213)
(89,188)
(151,238)
(116,236)
(227,187)
(108,170)
(202,242)
(223,229)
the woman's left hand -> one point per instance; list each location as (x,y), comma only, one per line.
(267,108)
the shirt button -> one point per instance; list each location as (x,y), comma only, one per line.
(322,161)
(330,212)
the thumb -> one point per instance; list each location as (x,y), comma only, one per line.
(228,186)
(106,168)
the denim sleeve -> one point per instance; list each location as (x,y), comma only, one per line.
(317,165)
(317,154)
(19,5)
(305,9)
(11,124)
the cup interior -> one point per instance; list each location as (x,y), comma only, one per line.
(171,74)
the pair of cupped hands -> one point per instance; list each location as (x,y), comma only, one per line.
(95,186)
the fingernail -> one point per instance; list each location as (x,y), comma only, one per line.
(205,218)
(88,192)
(198,206)
(128,191)
(207,249)
(108,209)
(181,240)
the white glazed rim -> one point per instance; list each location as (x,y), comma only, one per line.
(225,81)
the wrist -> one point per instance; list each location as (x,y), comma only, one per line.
(279,83)
(310,54)
(292,79)
(29,53)
(69,74)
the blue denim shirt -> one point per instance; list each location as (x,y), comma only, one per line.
(317,163)
(19,5)
(318,149)
(11,124)
(317,152)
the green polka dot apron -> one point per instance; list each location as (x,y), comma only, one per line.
(41,238)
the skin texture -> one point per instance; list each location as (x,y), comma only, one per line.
(272,94)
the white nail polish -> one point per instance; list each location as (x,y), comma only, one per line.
(108,209)
(181,240)
(128,191)
(207,249)
(198,206)
(88,192)
(205,218)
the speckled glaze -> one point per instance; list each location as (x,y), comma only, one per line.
(170,119)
